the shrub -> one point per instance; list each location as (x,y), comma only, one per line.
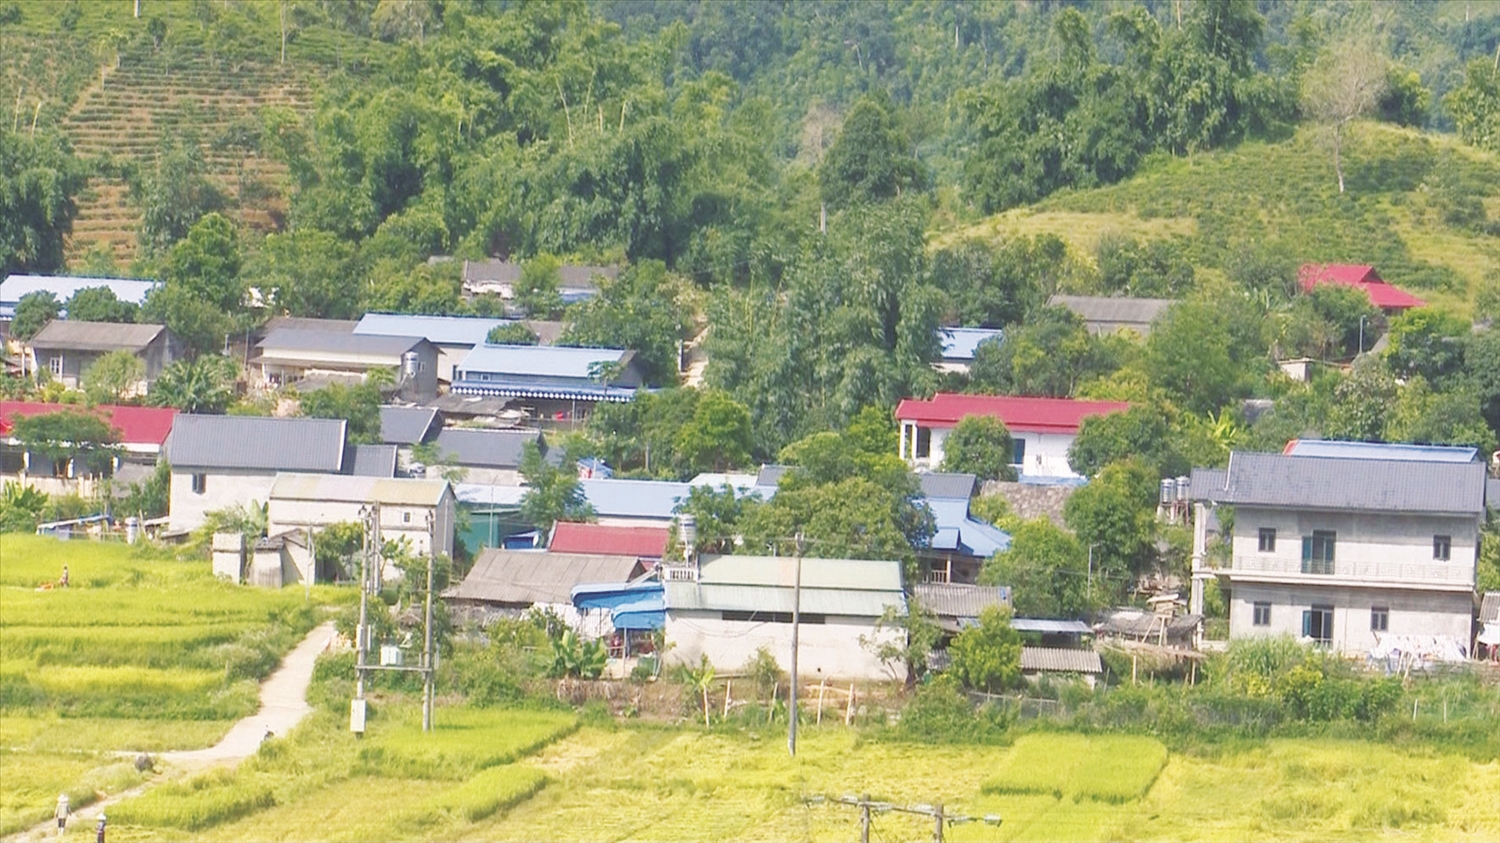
(940,713)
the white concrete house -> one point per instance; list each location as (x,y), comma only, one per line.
(221,461)
(1349,546)
(728,607)
(420,511)
(1043,428)
(288,356)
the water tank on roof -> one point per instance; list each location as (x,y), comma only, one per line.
(409,365)
(1184,486)
(1168,489)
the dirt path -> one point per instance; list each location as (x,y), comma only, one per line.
(283,704)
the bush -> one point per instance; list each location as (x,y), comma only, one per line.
(940,713)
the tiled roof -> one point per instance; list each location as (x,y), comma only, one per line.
(1331,483)
(1025,414)
(257,443)
(96,336)
(406,425)
(528,576)
(962,343)
(485,448)
(137,425)
(1060,660)
(131,290)
(1363,277)
(960,601)
(643,542)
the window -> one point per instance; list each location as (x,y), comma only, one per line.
(406,517)
(200,483)
(1267,539)
(1380,618)
(924,442)
(1262,614)
(1018,455)
(1317,552)
(55,366)
(1317,624)
(1442,548)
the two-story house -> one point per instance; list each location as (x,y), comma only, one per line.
(1353,542)
(1043,429)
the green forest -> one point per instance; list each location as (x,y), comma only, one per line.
(805,192)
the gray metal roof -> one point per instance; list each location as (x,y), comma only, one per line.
(1332,483)
(1380,450)
(945,485)
(337,342)
(256,442)
(370,460)
(1060,660)
(1137,313)
(1050,626)
(770,475)
(843,587)
(952,600)
(1489,607)
(96,336)
(527,576)
(406,425)
(485,448)
(569,276)
(1492,493)
(308,323)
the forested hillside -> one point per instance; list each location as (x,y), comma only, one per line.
(821,185)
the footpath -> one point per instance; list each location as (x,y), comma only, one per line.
(283,704)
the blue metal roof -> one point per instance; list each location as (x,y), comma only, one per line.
(1380,451)
(548,361)
(132,290)
(962,343)
(634,498)
(631,606)
(958,531)
(439,330)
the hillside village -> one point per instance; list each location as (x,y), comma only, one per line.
(936,362)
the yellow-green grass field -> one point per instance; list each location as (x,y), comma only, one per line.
(141,653)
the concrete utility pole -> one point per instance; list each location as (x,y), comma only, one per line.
(427,666)
(791,735)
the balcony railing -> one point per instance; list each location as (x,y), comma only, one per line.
(1439,573)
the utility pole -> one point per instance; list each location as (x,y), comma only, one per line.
(940,818)
(370,515)
(791,735)
(427,667)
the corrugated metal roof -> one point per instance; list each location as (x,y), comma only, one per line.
(953,600)
(634,498)
(440,330)
(1379,451)
(852,574)
(537,361)
(256,442)
(1492,493)
(406,425)
(482,494)
(957,530)
(529,576)
(1020,413)
(962,343)
(131,290)
(308,323)
(1138,313)
(485,448)
(1050,626)
(337,342)
(96,336)
(770,475)
(137,425)
(1365,485)
(570,276)
(394,491)
(370,460)
(691,596)
(644,542)
(1489,607)
(937,484)
(1060,660)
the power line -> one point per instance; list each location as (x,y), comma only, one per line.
(869,807)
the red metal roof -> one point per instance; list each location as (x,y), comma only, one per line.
(640,542)
(1382,294)
(137,425)
(1020,413)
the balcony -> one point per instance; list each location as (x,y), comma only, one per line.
(1353,571)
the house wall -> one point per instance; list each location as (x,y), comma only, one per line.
(830,650)
(1384,546)
(286,366)
(476,474)
(1411,612)
(1044,455)
(448,358)
(222,488)
(396,522)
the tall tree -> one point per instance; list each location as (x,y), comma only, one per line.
(553,493)
(982,446)
(1343,85)
(204,384)
(33,311)
(871,160)
(39,178)
(99,304)
(359,405)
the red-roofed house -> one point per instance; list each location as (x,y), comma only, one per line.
(640,542)
(1384,296)
(141,430)
(1043,428)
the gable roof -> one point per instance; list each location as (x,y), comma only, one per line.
(1061,660)
(643,542)
(551,361)
(256,443)
(137,425)
(485,448)
(960,601)
(1121,311)
(962,343)
(527,576)
(308,323)
(346,488)
(1489,607)
(958,531)
(439,330)
(1332,483)
(1379,451)
(849,587)
(940,484)
(570,276)
(96,336)
(406,425)
(1024,414)
(337,342)
(1362,276)
(370,460)
(131,290)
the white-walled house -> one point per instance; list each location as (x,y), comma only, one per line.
(420,511)
(728,607)
(287,355)
(1342,549)
(1043,428)
(221,461)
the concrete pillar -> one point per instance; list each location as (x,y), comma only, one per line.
(1200,552)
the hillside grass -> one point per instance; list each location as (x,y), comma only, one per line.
(1396,213)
